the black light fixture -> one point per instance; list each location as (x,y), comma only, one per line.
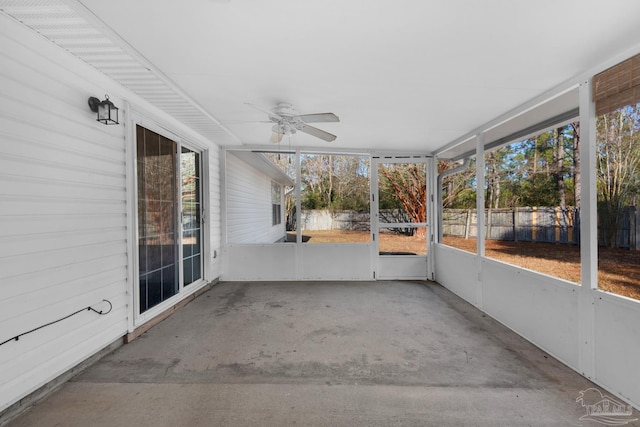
(107,112)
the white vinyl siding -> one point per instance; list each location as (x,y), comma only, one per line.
(213,214)
(249,207)
(63,224)
(64,227)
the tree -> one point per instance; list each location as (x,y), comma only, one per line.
(536,171)
(575,150)
(458,190)
(335,182)
(618,162)
(559,169)
(408,184)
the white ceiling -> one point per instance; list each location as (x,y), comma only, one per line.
(411,75)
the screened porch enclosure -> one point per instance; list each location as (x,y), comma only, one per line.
(344,218)
(126,224)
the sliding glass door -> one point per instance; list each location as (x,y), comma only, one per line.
(168,249)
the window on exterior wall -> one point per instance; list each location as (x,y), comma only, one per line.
(287,163)
(276,203)
(458,198)
(335,198)
(617,96)
(532,203)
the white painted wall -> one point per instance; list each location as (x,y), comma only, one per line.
(63,227)
(248,198)
(548,312)
(402,267)
(214,213)
(340,261)
(291,261)
(65,191)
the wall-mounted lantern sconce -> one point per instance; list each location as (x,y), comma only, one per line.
(107,112)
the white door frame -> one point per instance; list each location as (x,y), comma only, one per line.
(408,267)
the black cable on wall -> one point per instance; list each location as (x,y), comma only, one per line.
(89,308)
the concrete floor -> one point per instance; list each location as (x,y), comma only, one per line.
(321,353)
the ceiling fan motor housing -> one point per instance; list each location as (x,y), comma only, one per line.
(287,119)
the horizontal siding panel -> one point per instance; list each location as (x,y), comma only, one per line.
(40,245)
(56,188)
(59,309)
(27,204)
(13,267)
(42,223)
(37,299)
(29,65)
(53,360)
(17,166)
(16,90)
(33,282)
(63,351)
(40,311)
(105,146)
(66,137)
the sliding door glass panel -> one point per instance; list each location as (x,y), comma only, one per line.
(157,212)
(191,216)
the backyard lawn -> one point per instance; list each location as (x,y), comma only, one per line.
(619,269)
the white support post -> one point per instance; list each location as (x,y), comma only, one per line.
(588,230)
(374,218)
(222,161)
(132,221)
(480,222)
(433,218)
(298,245)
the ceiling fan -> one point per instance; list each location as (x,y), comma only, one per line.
(288,121)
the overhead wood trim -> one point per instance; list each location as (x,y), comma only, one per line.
(617,86)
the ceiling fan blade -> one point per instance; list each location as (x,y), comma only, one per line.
(276,137)
(318,133)
(319,118)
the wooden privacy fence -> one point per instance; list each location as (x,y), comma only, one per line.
(526,224)
(540,224)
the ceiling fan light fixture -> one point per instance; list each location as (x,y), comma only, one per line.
(284,129)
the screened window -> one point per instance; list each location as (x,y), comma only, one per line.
(458,197)
(335,198)
(532,203)
(616,92)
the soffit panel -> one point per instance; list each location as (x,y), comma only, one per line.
(73,30)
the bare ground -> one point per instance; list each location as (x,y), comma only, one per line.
(618,269)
